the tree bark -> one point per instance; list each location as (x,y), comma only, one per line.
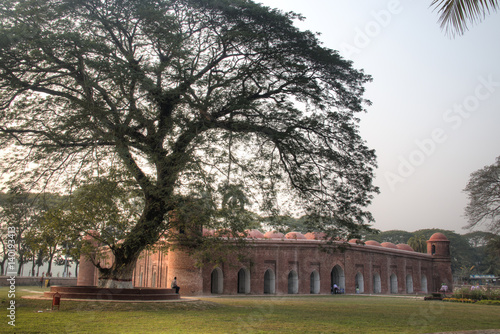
(117,277)
(125,255)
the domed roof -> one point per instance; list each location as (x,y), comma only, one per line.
(315,235)
(255,234)
(208,232)
(438,237)
(91,234)
(405,247)
(273,235)
(372,243)
(354,241)
(388,245)
(294,235)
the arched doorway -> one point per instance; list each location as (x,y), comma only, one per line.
(293,282)
(243,281)
(269,282)
(337,277)
(217,281)
(409,284)
(377,283)
(360,283)
(423,284)
(314,282)
(394,283)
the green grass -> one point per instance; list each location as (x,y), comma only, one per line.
(277,314)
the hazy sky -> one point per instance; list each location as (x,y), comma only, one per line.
(435,117)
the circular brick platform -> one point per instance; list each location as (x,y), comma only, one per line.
(92,292)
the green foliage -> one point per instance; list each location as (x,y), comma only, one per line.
(394,236)
(483,191)
(488,302)
(418,243)
(477,293)
(108,206)
(191,98)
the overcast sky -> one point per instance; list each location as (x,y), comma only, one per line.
(435,117)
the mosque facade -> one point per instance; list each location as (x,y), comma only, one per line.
(298,264)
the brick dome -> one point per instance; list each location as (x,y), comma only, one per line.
(208,232)
(255,234)
(372,243)
(295,235)
(315,235)
(438,237)
(274,235)
(354,241)
(405,247)
(389,245)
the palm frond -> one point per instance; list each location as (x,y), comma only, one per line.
(456,15)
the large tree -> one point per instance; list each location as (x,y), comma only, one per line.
(483,191)
(191,98)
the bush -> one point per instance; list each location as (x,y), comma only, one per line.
(492,294)
(477,293)
(489,302)
(459,300)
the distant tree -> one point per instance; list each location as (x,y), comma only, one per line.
(465,272)
(20,210)
(492,256)
(478,238)
(3,245)
(419,243)
(456,15)
(462,253)
(394,236)
(494,245)
(183,95)
(49,234)
(483,191)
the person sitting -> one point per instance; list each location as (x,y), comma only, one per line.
(175,286)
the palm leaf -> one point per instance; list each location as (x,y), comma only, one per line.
(455,15)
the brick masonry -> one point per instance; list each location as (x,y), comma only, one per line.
(298,265)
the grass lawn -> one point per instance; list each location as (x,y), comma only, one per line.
(276,314)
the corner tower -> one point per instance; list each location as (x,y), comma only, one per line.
(438,246)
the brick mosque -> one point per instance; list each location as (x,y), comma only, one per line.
(297,264)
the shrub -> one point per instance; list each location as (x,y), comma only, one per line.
(459,300)
(480,293)
(489,302)
(492,294)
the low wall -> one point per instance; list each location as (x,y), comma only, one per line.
(35,281)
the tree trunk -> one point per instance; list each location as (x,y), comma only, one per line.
(125,255)
(119,276)
(32,273)
(21,263)
(76,268)
(49,269)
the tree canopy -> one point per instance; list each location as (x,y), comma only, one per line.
(191,99)
(483,191)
